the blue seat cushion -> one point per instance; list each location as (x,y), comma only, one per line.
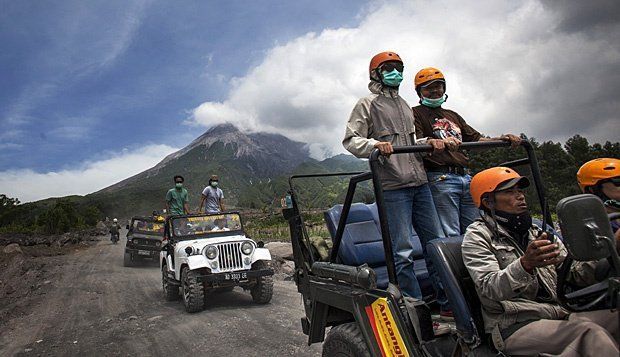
(362,243)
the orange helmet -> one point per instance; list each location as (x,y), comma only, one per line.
(426,75)
(495,179)
(382,57)
(593,171)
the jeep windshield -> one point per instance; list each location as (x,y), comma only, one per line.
(147,227)
(210,225)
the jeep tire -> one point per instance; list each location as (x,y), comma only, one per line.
(192,291)
(171,291)
(127,260)
(263,290)
(345,340)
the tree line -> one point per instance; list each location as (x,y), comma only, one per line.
(558,165)
(55,216)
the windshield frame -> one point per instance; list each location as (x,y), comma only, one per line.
(210,234)
(135,230)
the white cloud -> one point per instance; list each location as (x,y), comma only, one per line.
(28,185)
(509,68)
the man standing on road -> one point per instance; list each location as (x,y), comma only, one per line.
(177,198)
(213,196)
(447,171)
(513,266)
(382,120)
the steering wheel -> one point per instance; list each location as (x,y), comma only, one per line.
(583,299)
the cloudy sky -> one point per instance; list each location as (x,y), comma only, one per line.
(96,91)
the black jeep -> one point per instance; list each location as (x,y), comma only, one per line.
(144,238)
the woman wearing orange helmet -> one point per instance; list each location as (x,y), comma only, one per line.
(513,266)
(447,171)
(601,177)
(380,120)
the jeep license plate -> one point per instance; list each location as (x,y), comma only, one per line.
(144,252)
(236,276)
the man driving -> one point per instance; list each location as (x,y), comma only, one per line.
(512,264)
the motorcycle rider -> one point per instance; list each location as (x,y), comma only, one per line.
(115,230)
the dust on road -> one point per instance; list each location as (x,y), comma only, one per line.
(98,307)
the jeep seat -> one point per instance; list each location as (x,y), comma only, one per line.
(459,287)
(362,243)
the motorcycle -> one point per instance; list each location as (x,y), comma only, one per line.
(115,238)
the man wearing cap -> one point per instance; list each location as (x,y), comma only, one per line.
(381,120)
(447,171)
(512,264)
(213,196)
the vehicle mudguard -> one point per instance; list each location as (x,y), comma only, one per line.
(197,262)
(261,254)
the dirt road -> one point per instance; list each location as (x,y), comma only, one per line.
(98,307)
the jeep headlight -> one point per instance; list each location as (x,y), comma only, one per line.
(247,248)
(211,252)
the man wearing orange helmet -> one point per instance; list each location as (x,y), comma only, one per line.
(447,171)
(382,120)
(513,266)
(601,177)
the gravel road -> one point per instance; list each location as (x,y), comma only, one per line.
(98,307)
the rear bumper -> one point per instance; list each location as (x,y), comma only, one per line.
(236,276)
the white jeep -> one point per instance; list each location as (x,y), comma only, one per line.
(208,253)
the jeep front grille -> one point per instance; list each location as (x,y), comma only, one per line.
(229,256)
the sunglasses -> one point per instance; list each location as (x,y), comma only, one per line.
(390,66)
(614,180)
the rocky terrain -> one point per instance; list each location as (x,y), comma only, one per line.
(70,295)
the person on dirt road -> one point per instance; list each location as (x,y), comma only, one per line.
(213,196)
(177,198)
(382,120)
(447,171)
(513,266)
(115,231)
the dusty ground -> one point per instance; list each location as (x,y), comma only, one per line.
(86,303)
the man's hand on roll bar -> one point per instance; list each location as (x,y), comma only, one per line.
(514,140)
(385,148)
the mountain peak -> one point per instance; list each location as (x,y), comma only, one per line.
(220,129)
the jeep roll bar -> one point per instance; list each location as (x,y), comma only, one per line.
(378,191)
(375,167)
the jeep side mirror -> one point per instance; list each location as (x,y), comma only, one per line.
(585,227)
(127,227)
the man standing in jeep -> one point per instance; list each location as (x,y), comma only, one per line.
(382,120)
(177,198)
(447,171)
(513,266)
(213,196)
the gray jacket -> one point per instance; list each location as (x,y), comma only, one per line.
(385,116)
(508,292)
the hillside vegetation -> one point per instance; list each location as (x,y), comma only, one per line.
(257,180)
